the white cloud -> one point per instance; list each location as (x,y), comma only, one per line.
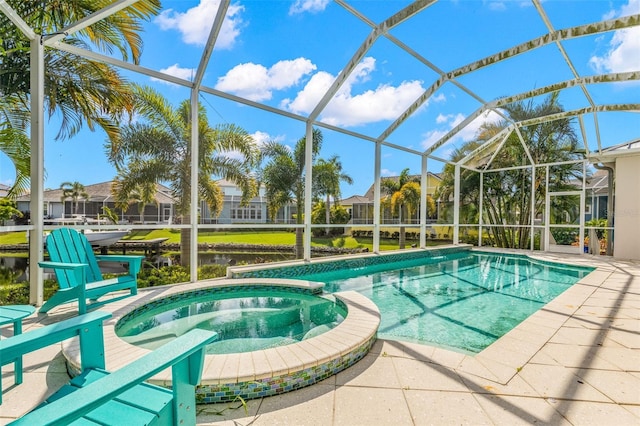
(497,5)
(176,71)
(195,24)
(311,94)
(457,119)
(431,137)
(259,138)
(443,118)
(262,138)
(313,6)
(256,82)
(631,8)
(622,53)
(501,5)
(385,102)
(387,172)
(469,132)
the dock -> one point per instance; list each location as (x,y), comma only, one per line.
(150,247)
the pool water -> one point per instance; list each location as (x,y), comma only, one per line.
(463,301)
(245,321)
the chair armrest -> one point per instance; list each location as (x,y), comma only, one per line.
(87,326)
(62,265)
(119,258)
(135,262)
(76,274)
(187,348)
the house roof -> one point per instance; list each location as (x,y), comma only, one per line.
(369,194)
(228,183)
(354,199)
(4,189)
(100,192)
(598,182)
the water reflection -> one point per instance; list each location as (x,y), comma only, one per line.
(15,269)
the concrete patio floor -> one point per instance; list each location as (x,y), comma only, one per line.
(575,362)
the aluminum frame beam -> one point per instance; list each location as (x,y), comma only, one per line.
(87,21)
(498,103)
(552,37)
(382,28)
(564,34)
(17,20)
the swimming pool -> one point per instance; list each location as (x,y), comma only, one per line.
(463,300)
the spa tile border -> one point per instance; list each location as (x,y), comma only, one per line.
(255,374)
(293,269)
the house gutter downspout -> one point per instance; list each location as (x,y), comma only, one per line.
(610,212)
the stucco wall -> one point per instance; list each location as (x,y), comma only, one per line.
(627,208)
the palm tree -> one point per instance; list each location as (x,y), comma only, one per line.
(15,143)
(75,191)
(389,188)
(284,178)
(507,193)
(469,199)
(327,175)
(402,195)
(142,195)
(78,89)
(157,149)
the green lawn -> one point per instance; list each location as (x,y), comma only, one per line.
(264,237)
(13,238)
(243,237)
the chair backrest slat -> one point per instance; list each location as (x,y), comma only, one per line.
(69,246)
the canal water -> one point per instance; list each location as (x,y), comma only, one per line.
(14,269)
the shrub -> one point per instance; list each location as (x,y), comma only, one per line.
(152,277)
(18,293)
(598,223)
(564,236)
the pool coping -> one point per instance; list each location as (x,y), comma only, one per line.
(504,358)
(498,363)
(279,369)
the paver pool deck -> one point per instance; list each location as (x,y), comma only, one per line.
(575,362)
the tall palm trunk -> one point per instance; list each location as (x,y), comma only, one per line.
(299,231)
(185,242)
(401,239)
(299,243)
(327,214)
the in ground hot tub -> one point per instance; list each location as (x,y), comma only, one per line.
(246,318)
(328,333)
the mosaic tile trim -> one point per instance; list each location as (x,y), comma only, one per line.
(204,292)
(211,394)
(293,271)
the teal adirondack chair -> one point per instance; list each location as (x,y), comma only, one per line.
(78,274)
(119,398)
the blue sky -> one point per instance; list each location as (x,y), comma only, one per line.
(286,54)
